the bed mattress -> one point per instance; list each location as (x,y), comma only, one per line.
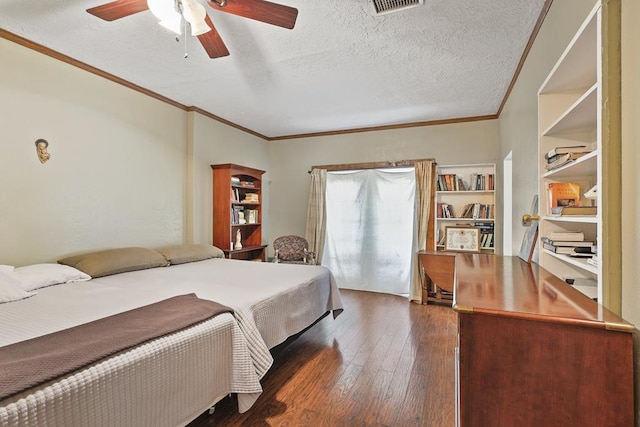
(275,301)
(165,382)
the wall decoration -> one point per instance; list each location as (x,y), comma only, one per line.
(41,150)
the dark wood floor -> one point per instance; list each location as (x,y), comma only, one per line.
(382,362)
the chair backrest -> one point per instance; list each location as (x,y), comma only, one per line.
(291,248)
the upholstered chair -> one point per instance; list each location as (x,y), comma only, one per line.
(293,250)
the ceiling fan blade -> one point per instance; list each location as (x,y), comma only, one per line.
(212,42)
(261,10)
(118,9)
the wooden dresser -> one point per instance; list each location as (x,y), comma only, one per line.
(532,351)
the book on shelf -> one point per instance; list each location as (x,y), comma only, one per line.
(461,184)
(486,233)
(566,250)
(574,210)
(453,182)
(581,281)
(445,210)
(252,216)
(593,261)
(575,254)
(574,244)
(486,240)
(235,180)
(585,249)
(477,211)
(563,194)
(562,159)
(574,236)
(567,149)
(482,182)
(568,156)
(450,182)
(251,198)
(237,215)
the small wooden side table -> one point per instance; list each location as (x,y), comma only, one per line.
(439,268)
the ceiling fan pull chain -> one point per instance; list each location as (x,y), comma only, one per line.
(186,53)
(221,3)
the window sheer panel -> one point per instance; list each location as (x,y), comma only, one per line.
(370,229)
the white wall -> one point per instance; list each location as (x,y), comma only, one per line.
(290,160)
(631,159)
(631,176)
(117,167)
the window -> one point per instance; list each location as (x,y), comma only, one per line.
(370,221)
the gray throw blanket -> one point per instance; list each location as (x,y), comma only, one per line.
(29,363)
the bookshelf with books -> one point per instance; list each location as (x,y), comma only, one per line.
(465,197)
(578,142)
(237,208)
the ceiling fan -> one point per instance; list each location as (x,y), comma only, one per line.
(194,13)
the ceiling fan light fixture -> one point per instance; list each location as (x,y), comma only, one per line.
(173,24)
(195,14)
(166,12)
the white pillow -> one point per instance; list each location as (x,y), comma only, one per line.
(6,268)
(41,275)
(10,289)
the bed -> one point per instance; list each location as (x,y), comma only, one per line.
(276,300)
(174,378)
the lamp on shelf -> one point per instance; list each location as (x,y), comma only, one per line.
(171,12)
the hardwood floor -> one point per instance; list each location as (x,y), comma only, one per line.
(382,362)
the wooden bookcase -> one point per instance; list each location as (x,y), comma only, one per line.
(238,189)
(461,186)
(579,102)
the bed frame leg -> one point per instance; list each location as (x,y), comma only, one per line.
(212,410)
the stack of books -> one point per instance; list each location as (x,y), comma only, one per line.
(574,210)
(482,182)
(570,243)
(477,210)
(560,156)
(251,198)
(445,210)
(450,182)
(486,233)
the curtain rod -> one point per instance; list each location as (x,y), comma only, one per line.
(370,165)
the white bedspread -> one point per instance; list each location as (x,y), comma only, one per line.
(227,354)
(167,381)
(277,300)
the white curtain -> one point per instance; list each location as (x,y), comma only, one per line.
(369,229)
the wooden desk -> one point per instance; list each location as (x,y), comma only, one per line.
(535,352)
(439,269)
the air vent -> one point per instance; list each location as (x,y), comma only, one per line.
(382,7)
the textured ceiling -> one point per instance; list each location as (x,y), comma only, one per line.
(340,68)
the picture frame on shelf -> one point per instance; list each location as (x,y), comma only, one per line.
(462,239)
